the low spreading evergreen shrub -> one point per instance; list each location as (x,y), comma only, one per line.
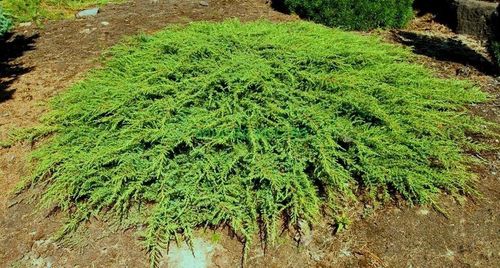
(5,23)
(354,15)
(251,126)
(26,10)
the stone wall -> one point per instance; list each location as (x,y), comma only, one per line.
(472,17)
(477,18)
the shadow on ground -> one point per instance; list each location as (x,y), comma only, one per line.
(279,5)
(12,47)
(444,11)
(445,49)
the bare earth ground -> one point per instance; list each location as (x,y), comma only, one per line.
(38,63)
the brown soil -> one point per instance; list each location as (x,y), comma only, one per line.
(37,63)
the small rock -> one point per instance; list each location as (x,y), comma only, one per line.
(25,24)
(305,234)
(104,23)
(345,252)
(104,251)
(49,261)
(450,254)
(423,212)
(88,12)
(85,31)
(463,71)
(204,3)
(316,255)
(200,255)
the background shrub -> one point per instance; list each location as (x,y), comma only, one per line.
(495,40)
(354,15)
(495,52)
(5,23)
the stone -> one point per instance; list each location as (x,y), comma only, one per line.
(345,252)
(304,235)
(423,212)
(204,3)
(316,255)
(88,13)
(25,24)
(104,23)
(183,257)
(85,31)
(475,17)
(464,71)
(472,17)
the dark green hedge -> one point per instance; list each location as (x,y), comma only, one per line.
(495,39)
(495,49)
(354,14)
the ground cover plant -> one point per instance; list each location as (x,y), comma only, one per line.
(36,10)
(354,15)
(5,23)
(251,126)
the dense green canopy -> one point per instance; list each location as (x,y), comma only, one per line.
(242,124)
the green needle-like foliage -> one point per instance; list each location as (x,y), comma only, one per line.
(354,14)
(251,126)
(5,23)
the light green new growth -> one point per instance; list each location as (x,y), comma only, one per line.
(249,126)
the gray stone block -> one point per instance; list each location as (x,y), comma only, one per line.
(475,18)
(88,12)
